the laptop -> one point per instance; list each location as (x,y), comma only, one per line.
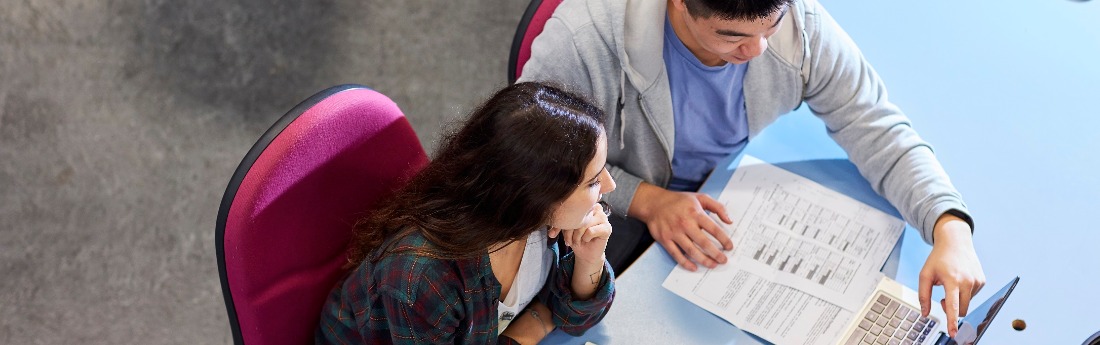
(892,317)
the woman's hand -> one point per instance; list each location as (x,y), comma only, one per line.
(590,241)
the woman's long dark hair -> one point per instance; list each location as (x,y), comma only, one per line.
(494,180)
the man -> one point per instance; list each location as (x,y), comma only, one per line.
(686,82)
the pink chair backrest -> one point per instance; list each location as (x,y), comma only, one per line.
(530,26)
(287,215)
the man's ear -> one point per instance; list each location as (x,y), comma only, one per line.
(679,4)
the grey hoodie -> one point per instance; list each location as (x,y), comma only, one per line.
(611,52)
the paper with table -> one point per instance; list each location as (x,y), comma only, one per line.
(805,257)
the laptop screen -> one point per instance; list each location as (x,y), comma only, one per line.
(977,320)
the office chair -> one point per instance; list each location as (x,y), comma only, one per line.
(286,217)
(1093,340)
(530,26)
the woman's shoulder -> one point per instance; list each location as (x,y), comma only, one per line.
(408,272)
(407,254)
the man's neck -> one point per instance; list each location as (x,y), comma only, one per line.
(676,18)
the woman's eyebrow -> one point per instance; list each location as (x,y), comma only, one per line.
(593,179)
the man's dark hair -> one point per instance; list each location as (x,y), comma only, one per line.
(735,9)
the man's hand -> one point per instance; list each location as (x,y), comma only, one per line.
(953,264)
(679,222)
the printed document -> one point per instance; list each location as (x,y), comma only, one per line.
(805,257)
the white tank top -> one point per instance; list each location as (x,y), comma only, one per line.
(534,267)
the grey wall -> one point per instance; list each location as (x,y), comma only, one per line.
(121,122)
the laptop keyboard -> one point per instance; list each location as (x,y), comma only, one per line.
(891,322)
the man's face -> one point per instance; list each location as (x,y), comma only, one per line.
(733,41)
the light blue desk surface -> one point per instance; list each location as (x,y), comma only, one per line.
(641,305)
(1006,92)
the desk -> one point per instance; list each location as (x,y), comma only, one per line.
(1006,93)
(646,313)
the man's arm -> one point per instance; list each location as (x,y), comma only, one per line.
(848,95)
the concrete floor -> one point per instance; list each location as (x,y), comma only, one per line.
(122,121)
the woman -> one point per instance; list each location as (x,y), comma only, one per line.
(466,252)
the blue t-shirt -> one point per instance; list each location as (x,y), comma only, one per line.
(708,107)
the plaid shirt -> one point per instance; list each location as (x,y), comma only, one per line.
(406,298)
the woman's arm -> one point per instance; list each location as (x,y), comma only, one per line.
(419,311)
(581,285)
(589,244)
(570,313)
(531,326)
(586,278)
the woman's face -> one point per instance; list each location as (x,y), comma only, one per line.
(577,208)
